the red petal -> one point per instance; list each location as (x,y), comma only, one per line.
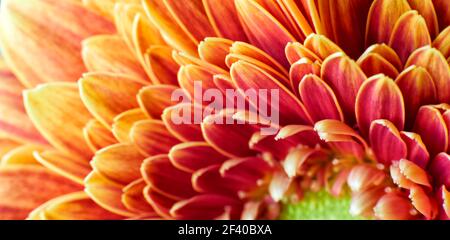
(417,151)
(440,169)
(386,142)
(430,125)
(193,156)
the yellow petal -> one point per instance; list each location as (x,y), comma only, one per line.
(97,136)
(124,122)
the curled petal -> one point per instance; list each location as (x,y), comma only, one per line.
(313,88)
(337,131)
(414,172)
(154,99)
(379,98)
(193,156)
(381,20)
(430,125)
(108,95)
(392,206)
(119,163)
(18,202)
(97,136)
(418,89)
(152,137)
(295,159)
(435,63)
(422,202)
(362,177)
(167,180)
(386,142)
(124,122)
(417,151)
(54,30)
(345,78)
(409,33)
(51,107)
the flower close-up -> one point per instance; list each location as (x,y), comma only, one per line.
(225,109)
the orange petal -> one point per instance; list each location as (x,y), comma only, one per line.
(295,159)
(386,142)
(119,163)
(108,95)
(430,125)
(54,30)
(299,70)
(414,172)
(164,178)
(22,155)
(409,33)
(75,206)
(262,27)
(163,69)
(387,53)
(418,89)
(194,79)
(14,121)
(422,202)
(154,99)
(222,15)
(373,64)
(381,20)
(7,145)
(417,151)
(435,63)
(345,78)
(313,88)
(207,206)
(67,165)
(160,203)
(17,202)
(133,198)
(279,185)
(152,137)
(231,140)
(399,178)
(106,194)
(363,202)
(124,122)
(215,50)
(97,136)
(427,10)
(379,98)
(193,156)
(247,76)
(51,108)
(185,131)
(170,30)
(321,46)
(336,131)
(393,207)
(109,53)
(296,51)
(442,42)
(446,201)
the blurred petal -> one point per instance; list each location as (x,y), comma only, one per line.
(19,193)
(393,207)
(120,163)
(223,17)
(51,107)
(54,30)
(109,53)
(409,33)
(435,63)
(22,155)
(167,180)
(441,7)
(430,125)
(362,177)
(193,156)
(67,165)
(152,137)
(108,95)
(364,202)
(313,88)
(124,122)
(379,98)
(345,77)
(418,89)
(381,20)
(386,142)
(154,99)
(97,136)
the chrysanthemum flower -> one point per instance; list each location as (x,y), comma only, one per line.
(364,88)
